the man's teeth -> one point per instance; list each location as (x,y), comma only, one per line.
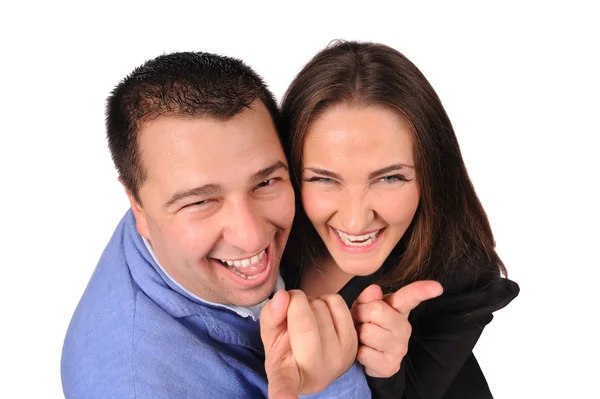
(239,273)
(357,241)
(245,262)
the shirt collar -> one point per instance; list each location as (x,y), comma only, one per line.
(243,311)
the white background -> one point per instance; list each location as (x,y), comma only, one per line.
(519,81)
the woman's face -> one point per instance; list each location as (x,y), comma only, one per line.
(359,186)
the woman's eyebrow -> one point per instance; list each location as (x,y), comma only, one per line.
(387,169)
(325,172)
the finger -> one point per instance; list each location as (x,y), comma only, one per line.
(371,293)
(410,296)
(378,312)
(327,330)
(303,329)
(394,344)
(273,318)
(376,363)
(342,322)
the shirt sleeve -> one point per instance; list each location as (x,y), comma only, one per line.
(350,385)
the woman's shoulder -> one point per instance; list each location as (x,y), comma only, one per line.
(471,294)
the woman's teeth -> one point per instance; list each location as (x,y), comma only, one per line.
(357,241)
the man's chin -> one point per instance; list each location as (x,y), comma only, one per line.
(258,297)
(252,303)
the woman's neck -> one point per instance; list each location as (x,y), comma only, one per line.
(329,279)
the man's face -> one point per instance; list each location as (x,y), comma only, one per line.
(217,205)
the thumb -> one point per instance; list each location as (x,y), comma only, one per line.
(410,296)
(273,318)
(370,294)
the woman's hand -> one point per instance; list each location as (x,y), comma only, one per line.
(382,324)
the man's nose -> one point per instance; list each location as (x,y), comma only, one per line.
(245,227)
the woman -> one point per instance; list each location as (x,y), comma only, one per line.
(386,198)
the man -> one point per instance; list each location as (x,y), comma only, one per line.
(172,308)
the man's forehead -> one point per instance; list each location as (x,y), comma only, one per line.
(242,130)
(180,138)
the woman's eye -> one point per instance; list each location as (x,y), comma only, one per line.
(393,178)
(317,179)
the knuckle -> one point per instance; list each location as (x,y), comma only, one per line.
(379,312)
(391,365)
(332,298)
(317,304)
(401,351)
(297,296)
(297,293)
(408,329)
(335,301)
(365,331)
(398,349)
(361,354)
(402,331)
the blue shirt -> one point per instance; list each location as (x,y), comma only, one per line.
(136,333)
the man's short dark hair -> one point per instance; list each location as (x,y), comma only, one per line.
(193,84)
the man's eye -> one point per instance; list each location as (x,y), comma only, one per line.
(199,203)
(268,182)
(265,183)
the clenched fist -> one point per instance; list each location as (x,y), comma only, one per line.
(308,342)
(383,326)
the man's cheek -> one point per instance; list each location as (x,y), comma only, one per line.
(199,236)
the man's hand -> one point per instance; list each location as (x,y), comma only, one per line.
(308,343)
(383,327)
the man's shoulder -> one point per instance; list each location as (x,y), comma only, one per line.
(122,344)
(107,305)
(97,351)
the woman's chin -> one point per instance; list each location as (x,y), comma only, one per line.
(356,268)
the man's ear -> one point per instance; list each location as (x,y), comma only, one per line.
(138,212)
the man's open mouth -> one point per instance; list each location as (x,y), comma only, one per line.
(248,268)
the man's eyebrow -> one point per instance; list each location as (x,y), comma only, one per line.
(387,169)
(208,189)
(268,171)
(325,172)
